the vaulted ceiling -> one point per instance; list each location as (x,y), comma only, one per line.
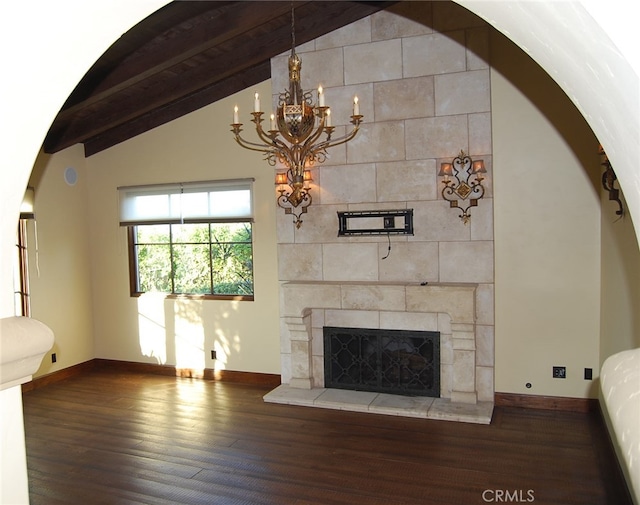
(183,57)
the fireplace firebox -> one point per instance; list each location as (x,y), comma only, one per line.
(384,361)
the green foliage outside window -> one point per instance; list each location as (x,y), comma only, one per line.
(198,259)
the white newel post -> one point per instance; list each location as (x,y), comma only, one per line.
(23,344)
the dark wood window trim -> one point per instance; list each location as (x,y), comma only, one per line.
(133,279)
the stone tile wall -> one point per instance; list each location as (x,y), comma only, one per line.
(421,73)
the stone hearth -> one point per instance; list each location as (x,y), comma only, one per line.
(446,308)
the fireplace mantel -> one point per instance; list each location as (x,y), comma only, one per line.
(448,307)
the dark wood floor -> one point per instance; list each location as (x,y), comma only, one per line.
(117,438)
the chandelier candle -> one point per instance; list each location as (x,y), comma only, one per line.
(295,138)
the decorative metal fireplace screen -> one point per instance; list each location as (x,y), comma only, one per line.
(384,361)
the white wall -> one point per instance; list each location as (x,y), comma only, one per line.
(59,260)
(547,228)
(181,332)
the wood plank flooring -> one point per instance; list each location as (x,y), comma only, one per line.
(121,438)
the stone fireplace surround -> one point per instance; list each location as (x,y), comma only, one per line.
(449,308)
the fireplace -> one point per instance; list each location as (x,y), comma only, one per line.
(383,361)
(462,387)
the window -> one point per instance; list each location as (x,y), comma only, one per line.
(191,239)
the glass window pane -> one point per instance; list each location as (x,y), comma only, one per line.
(152,234)
(232,268)
(191,269)
(190,233)
(154,268)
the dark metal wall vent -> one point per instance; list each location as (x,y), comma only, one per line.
(384,361)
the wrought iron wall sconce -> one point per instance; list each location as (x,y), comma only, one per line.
(462,179)
(608,181)
(294,193)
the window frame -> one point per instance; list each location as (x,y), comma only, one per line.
(133,274)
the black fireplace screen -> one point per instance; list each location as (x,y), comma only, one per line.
(384,361)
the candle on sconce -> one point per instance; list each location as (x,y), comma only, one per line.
(236,119)
(320,97)
(273,122)
(356,107)
(256,103)
(328,121)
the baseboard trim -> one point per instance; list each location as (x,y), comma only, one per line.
(65,373)
(558,403)
(254,378)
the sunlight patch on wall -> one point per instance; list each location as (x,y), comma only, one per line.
(189,335)
(151,327)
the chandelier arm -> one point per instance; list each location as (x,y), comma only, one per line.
(253,146)
(336,142)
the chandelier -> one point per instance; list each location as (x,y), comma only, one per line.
(298,137)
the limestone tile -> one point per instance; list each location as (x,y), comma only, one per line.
(394,405)
(348,184)
(481,223)
(464,370)
(384,141)
(353,318)
(317,342)
(285,228)
(298,297)
(318,371)
(457,300)
(446,380)
(451,16)
(340,99)
(485,384)
(435,221)
(320,224)
(433,54)
(402,181)
(446,349)
(404,98)
(408,262)
(320,67)
(404,19)
(477,48)
(356,401)
(444,323)
(317,318)
(466,262)
(410,321)
(485,304)
(462,93)
(480,143)
(484,345)
(377,61)
(300,262)
(287,395)
(358,32)
(285,368)
(446,410)
(285,338)
(350,262)
(380,297)
(436,137)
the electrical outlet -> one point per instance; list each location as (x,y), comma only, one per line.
(588,374)
(559,372)
(213,354)
(54,358)
(389,222)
